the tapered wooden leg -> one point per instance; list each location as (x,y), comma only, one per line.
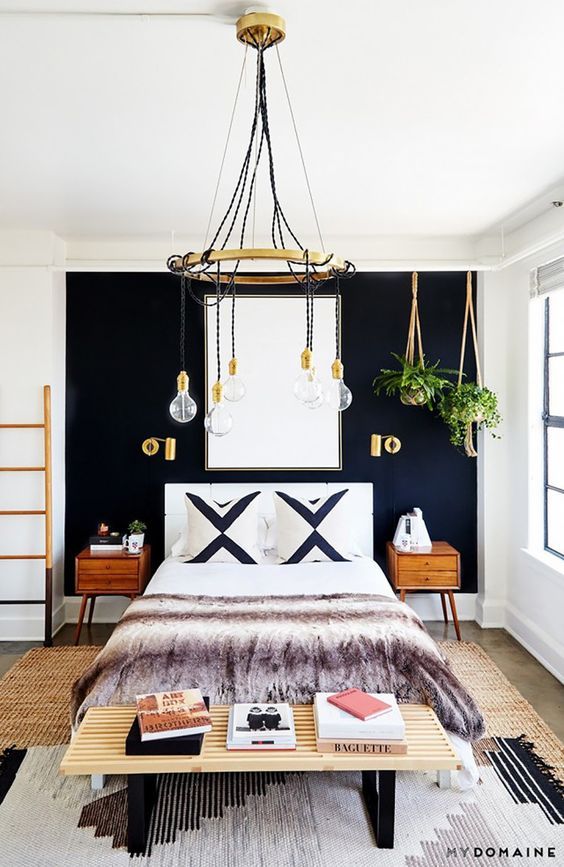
(91,610)
(402,595)
(80,619)
(443,602)
(454,614)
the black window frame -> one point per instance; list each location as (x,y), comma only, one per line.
(554,421)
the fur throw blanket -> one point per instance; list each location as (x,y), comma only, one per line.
(276,648)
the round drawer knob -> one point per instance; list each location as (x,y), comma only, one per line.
(427,578)
(108,566)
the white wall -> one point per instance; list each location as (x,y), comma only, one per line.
(32,354)
(523,588)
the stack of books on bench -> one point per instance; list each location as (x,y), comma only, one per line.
(358,722)
(169,723)
(261,727)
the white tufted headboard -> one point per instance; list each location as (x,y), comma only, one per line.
(361,501)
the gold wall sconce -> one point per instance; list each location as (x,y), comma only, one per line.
(391,443)
(150,447)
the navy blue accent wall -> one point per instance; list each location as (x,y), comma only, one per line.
(122,360)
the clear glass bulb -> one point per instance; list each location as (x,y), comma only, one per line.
(183,408)
(308,389)
(219,420)
(339,396)
(234,388)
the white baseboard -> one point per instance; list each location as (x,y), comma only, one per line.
(108,609)
(428,605)
(30,628)
(546,650)
(490,613)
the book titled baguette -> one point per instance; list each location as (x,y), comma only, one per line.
(172,714)
(360,704)
(378,748)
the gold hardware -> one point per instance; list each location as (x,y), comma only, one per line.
(182,381)
(233,365)
(217,392)
(391,443)
(150,447)
(306,359)
(261,29)
(337,369)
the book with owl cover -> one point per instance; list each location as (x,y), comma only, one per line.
(261,726)
(172,714)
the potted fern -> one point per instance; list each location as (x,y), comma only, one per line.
(417,383)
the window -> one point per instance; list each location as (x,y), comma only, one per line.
(553,418)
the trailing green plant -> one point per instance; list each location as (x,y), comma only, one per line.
(137,527)
(418,384)
(467,407)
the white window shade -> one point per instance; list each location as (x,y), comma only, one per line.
(547,278)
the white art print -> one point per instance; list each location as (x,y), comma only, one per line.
(271,429)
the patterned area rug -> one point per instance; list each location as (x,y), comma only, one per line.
(303,820)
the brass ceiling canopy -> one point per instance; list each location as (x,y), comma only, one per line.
(261,29)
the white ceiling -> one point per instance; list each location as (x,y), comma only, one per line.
(416,118)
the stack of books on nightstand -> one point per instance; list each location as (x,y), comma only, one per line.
(109,542)
(358,722)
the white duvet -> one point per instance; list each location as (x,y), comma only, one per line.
(270,578)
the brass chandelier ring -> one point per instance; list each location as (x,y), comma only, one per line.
(185,264)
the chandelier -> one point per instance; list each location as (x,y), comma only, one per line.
(220,264)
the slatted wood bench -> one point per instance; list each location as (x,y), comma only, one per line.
(99,748)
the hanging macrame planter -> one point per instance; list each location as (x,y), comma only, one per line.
(470,406)
(418,384)
(414,396)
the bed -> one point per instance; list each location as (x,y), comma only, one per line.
(276,632)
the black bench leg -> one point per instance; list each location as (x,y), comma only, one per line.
(140,799)
(379,792)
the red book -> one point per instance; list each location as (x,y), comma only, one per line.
(359,704)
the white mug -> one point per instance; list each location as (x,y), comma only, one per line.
(134,543)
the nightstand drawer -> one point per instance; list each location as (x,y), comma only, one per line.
(106,581)
(108,566)
(423,562)
(428,579)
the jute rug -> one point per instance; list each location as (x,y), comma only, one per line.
(303,820)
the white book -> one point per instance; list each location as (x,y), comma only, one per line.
(332,722)
(106,548)
(261,726)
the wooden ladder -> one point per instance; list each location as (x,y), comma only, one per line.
(47,601)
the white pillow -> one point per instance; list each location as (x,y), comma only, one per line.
(313,530)
(222,532)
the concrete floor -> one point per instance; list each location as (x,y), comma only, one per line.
(533,681)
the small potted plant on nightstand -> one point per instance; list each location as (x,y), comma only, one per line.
(136,538)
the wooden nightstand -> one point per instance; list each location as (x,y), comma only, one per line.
(109,574)
(437,571)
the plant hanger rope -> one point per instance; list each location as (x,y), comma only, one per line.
(469,314)
(414,330)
